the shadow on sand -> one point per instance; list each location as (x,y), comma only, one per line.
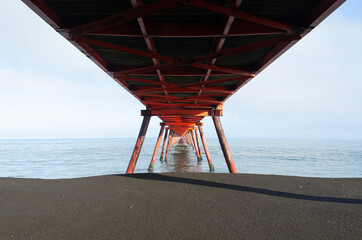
(164,178)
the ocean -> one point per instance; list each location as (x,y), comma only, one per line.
(73,158)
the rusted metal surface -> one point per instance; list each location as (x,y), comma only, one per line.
(139,143)
(164,145)
(150,168)
(224,145)
(168,144)
(207,153)
(198,145)
(195,145)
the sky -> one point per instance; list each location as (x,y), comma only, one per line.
(49,89)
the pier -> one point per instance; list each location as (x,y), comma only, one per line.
(182,59)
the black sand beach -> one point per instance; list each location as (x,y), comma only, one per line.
(181,206)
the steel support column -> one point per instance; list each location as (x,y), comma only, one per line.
(195,144)
(198,143)
(191,141)
(207,153)
(150,168)
(138,146)
(224,145)
(168,144)
(164,145)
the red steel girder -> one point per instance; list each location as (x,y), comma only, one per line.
(122,17)
(44,11)
(124,49)
(238,14)
(248,47)
(226,30)
(180,29)
(141,80)
(219,89)
(182,112)
(176,86)
(323,10)
(222,69)
(223,53)
(136,4)
(183,71)
(203,98)
(182,124)
(186,100)
(175,69)
(176,104)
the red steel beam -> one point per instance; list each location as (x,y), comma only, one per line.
(186,99)
(181,124)
(174,104)
(149,42)
(214,101)
(239,14)
(324,9)
(147,69)
(226,30)
(141,80)
(184,89)
(248,47)
(174,69)
(180,29)
(170,122)
(41,8)
(189,107)
(140,95)
(212,95)
(221,69)
(181,112)
(124,49)
(183,71)
(177,86)
(122,17)
(223,53)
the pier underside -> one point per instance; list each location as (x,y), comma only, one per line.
(183,58)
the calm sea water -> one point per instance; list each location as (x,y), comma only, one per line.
(71,158)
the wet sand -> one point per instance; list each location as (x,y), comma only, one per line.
(181,206)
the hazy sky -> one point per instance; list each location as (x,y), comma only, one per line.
(49,89)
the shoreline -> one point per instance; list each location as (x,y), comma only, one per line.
(181,206)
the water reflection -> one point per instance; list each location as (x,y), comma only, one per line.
(182,158)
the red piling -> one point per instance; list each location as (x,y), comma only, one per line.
(138,146)
(187,140)
(150,168)
(168,144)
(198,144)
(190,139)
(164,145)
(207,153)
(224,145)
(195,144)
